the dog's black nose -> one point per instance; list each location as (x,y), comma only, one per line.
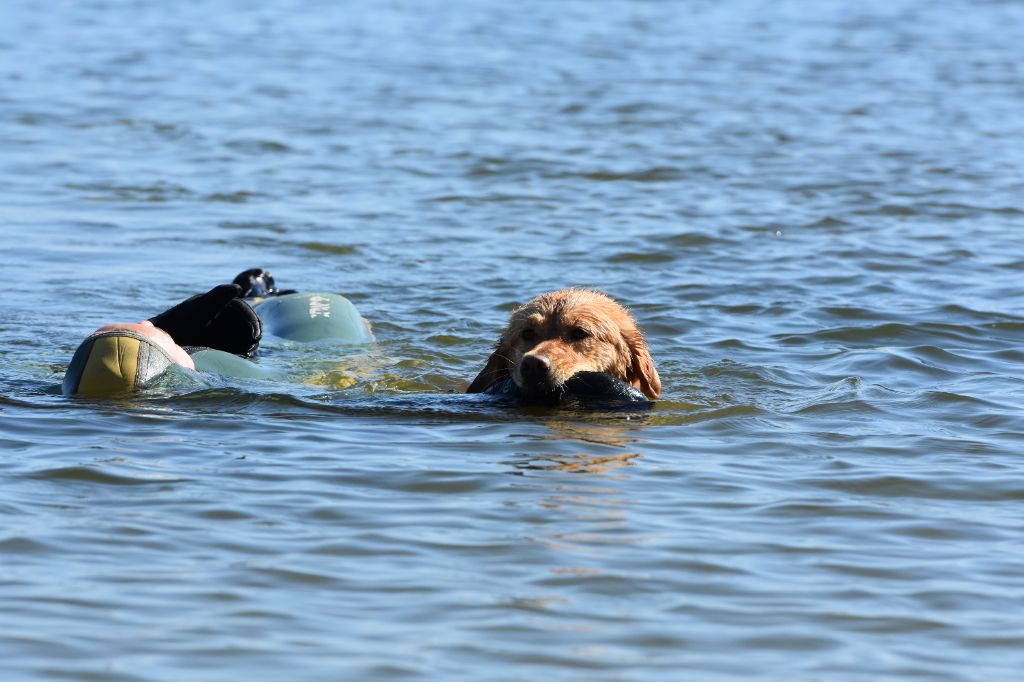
(534,368)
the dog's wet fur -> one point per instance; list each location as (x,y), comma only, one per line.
(564,333)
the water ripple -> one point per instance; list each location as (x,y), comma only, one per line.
(105,474)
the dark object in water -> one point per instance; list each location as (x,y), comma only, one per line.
(583,391)
(219,319)
(259,283)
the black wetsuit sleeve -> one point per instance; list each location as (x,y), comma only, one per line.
(218,319)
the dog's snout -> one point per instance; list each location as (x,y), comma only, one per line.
(534,368)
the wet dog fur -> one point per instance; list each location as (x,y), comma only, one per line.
(563,332)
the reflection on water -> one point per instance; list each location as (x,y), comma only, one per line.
(607,438)
(581,463)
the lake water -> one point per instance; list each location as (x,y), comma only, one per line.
(815,210)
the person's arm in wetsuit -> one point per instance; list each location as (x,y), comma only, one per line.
(123,357)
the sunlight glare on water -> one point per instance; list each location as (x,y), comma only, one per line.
(812,210)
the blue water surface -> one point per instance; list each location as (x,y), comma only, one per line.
(813,209)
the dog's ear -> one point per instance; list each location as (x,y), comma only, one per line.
(641,372)
(495,371)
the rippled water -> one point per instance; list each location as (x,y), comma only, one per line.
(813,209)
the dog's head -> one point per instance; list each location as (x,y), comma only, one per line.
(560,333)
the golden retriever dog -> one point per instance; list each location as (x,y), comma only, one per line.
(564,332)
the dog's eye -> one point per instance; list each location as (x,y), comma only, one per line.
(528,335)
(578,334)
